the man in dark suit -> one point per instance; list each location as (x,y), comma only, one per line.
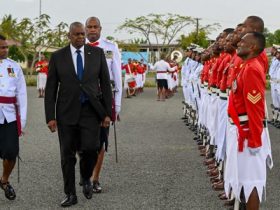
(78,98)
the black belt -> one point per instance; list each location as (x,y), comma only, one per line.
(244,122)
(223,98)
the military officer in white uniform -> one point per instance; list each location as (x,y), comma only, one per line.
(13,111)
(93,31)
(275,77)
(274,66)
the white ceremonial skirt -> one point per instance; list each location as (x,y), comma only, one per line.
(244,170)
(41,80)
(274,95)
(222,126)
(185,93)
(126,78)
(170,82)
(213,120)
(276,98)
(139,81)
(207,106)
(201,107)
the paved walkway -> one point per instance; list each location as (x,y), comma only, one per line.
(159,166)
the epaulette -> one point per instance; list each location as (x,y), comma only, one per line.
(11,60)
(111,42)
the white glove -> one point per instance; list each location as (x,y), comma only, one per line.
(254,151)
(23,123)
(117,109)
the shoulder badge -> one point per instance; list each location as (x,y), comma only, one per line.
(254,97)
(11,60)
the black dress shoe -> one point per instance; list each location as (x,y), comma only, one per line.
(8,189)
(69,200)
(199,142)
(195,138)
(87,189)
(96,187)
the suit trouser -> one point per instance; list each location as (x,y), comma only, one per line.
(83,138)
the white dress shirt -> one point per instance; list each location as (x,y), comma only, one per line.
(74,55)
(12,85)
(162,66)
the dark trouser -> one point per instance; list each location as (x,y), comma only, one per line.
(9,141)
(104,133)
(84,139)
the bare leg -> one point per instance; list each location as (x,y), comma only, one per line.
(253,202)
(8,166)
(127,93)
(163,94)
(160,93)
(98,166)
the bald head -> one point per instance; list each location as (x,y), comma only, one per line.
(93,29)
(93,18)
(76,34)
(251,45)
(253,24)
(256,23)
(75,25)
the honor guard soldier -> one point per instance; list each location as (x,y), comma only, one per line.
(145,70)
(41,67)
(273,71)
(93,31)
(276,87)
(129,79)
(255,24)
(13,111)
(248,143)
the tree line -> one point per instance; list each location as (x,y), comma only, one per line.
(32,36)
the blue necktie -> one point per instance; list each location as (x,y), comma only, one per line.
(80,71)
(80,68)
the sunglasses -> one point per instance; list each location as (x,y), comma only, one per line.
(4,47)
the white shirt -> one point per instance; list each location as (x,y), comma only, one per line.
(74,55)
(162,66)
(12,85)
(113,59)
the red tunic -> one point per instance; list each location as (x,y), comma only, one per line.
(204,71)
(213,73)
(42,66)
(262,58)
(140,69)
(233,70)
(222,66)
(128,68)
(248,97)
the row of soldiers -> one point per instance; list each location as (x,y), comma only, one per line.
(274,73)
(224,92)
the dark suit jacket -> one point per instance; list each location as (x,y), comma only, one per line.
(63,88)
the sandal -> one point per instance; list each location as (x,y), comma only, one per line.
(8,189)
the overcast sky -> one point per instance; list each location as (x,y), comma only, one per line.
(112,13)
